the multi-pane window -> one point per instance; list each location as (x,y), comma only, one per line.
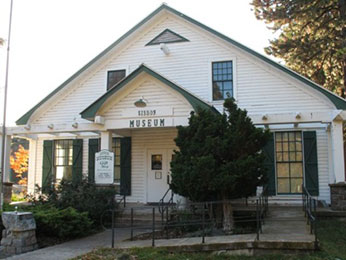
(63,160)
(222,73)
(116,150)
(114,76)
(289,162)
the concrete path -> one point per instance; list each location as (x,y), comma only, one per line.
(285,228)
(75,247)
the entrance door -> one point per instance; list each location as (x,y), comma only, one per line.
(158,171)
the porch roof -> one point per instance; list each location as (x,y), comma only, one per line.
(91,111)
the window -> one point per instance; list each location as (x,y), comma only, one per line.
(289,162)
(114,76)
(63,160)
(116,150)
(222,80)
(167,36)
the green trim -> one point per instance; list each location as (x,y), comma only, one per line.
(25,118)
(336,100)
(182,39)
(90,112)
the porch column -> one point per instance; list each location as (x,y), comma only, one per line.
(7,169)
(338,150)
(32,166)
(106,140)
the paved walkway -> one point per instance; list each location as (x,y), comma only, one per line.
(285,228)
(75,247)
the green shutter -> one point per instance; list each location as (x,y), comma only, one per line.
(125,166)
(77,165)
(270,165)
(47,165)
(93,149)
(310,160)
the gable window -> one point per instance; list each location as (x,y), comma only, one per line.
(63,160)
(222,74)
(167,36)
(114,76)
(289,162)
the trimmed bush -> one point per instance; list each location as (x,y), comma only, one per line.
(84,197)
(61,223)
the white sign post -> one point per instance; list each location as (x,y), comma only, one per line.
(104,167)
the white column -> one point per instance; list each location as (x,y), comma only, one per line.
(338,150)
(7,168)
(106,140)
(32,166)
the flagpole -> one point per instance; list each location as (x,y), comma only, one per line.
(2,174)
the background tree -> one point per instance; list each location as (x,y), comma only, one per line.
(19,164)
(219,157)
(312,39)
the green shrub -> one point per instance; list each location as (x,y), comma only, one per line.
(84,197)
(61,223)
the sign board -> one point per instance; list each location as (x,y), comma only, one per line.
(104,167)
(147,112)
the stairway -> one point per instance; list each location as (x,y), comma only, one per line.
(142,215)
(286,223)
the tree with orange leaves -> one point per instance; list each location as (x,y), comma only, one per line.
(19,164)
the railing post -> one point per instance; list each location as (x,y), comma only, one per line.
(257,221)
(315,225)
(153,231)
(131,224)
(113,228)
(167,222)
(203,232)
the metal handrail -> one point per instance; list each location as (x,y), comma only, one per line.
(123,199)
(201,210)
(261,209)
(162,200)
(309,208)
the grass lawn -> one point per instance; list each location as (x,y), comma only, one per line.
(331,233)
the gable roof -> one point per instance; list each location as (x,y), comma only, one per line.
(167,36)
(91,111)
(336,100)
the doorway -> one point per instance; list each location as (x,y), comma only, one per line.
(158,174)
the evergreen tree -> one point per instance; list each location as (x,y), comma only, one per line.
(312,39)
(219,157)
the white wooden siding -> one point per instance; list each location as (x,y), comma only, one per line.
(260,87)
(142,140)
(158,96)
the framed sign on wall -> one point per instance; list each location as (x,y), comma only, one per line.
(104,167)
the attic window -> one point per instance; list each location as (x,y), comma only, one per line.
(114,76)
(167,36)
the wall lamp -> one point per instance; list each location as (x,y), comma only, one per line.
(142,102)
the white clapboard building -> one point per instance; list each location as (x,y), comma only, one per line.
(130,98)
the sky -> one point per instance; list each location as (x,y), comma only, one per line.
(52,39)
